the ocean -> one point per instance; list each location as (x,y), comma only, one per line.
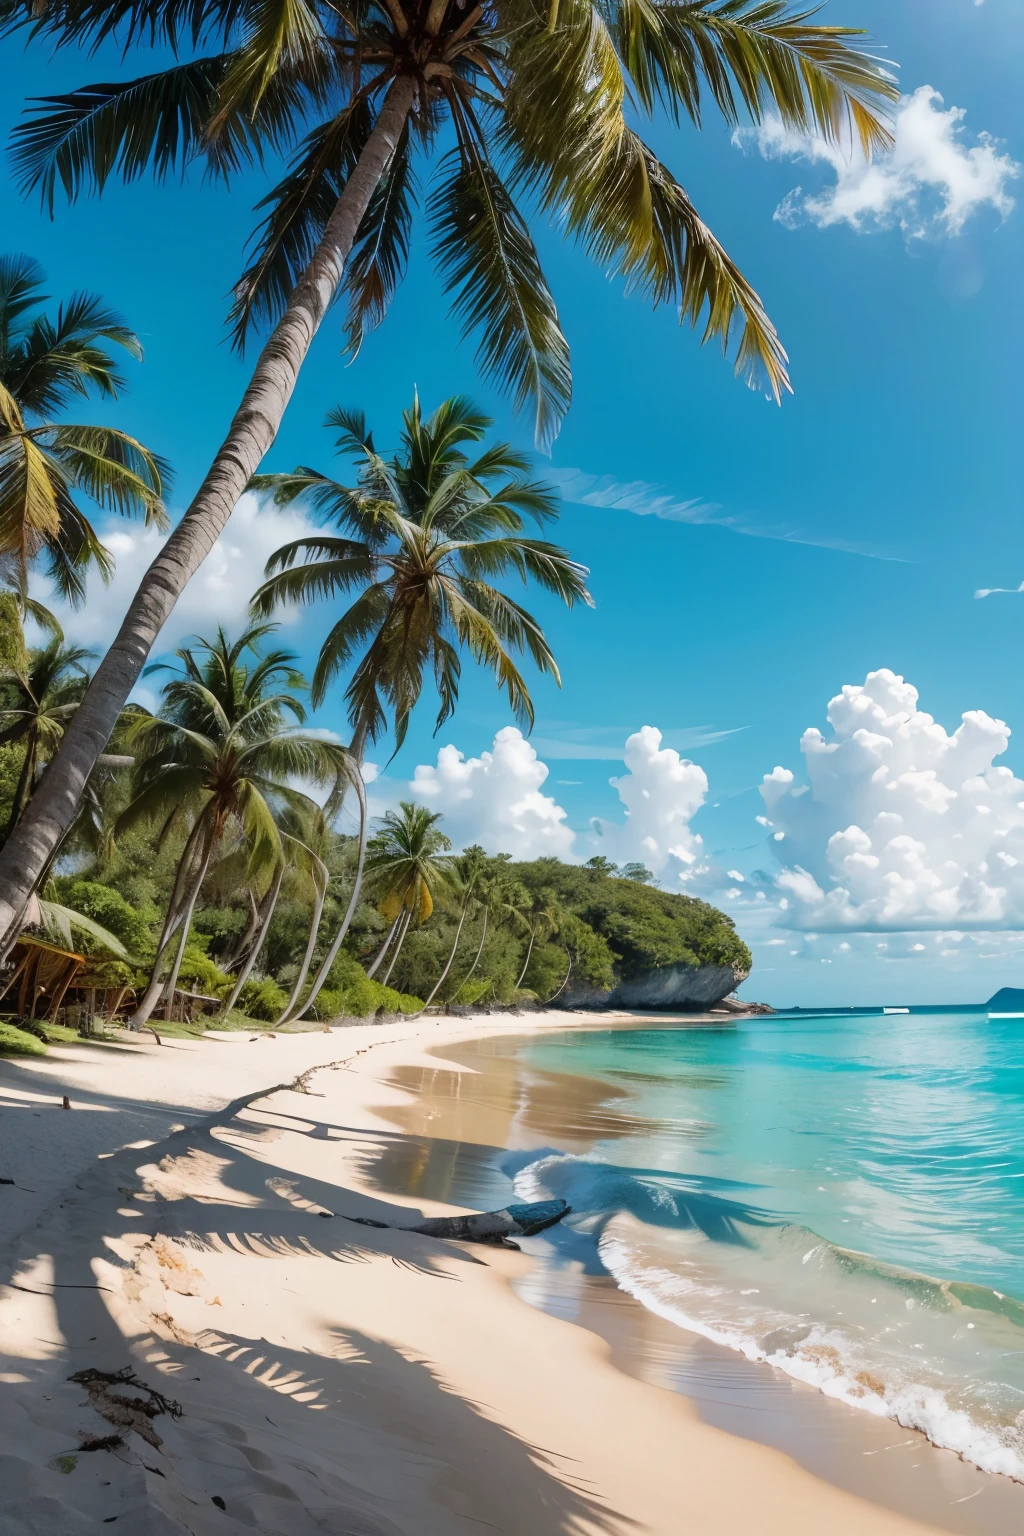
(839,1196)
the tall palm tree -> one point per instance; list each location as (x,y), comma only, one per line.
(421,533)
(543,915)
(220,756)
(45,466)
(39,701)
(404,867)
(540,95)
(463,874)
(491,894)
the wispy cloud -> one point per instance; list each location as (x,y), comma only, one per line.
(605,743)
(991,591)
(644,499)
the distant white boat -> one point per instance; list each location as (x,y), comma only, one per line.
(1006,1015)
(901,1010)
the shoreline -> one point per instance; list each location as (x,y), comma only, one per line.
(331,1377)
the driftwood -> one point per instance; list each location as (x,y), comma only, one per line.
(497,1227)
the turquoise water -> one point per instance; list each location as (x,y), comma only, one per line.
(842,1197)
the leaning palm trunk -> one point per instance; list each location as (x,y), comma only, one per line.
(526,962)
(186,923)
(314,930)
(565,982)
(175,908)
(372,969)
(251,433)
(257,943)
(451,959)
(294,1011)
(476,957)
(407,920)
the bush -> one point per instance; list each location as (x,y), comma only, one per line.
(109,908)
(362,997)
(261,999)
(15,1042)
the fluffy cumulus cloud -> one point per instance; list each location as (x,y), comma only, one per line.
(931,183)
(661,793)
(496,799)
(900,825)
(219,592)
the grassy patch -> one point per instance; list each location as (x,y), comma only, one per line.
(15,1042)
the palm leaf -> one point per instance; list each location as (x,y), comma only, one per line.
(381,252)
(297,212)
(489,262)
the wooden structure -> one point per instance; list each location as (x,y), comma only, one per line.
(45,982)
(39,976)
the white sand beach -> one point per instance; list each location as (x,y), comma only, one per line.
(312,1374)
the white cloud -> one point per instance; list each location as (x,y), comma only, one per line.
(645,499)
(661,792)
(931,182)
(991,591)
(495,799)
(218,593)
(901,826)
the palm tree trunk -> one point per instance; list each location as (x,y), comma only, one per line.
(567,975)
(257,943)
(294,1011)
(23,791)
(526,962)
(398,947)
(479,952)
(251,433)
(384,947)
(241,947)
(451,958)
(186,923)
(314,930)
(172,918)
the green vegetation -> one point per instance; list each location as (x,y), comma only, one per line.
(18,1042)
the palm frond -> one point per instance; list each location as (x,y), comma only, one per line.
(115,470)
(489,262)
(297,212)
(380,254)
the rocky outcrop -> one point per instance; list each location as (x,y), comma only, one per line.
(682,988)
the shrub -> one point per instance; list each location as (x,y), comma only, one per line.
(15,1042)
(261,999)
(109,908)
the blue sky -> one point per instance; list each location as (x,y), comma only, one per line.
(898,443)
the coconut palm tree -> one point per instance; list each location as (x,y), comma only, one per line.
(491,893)
(421,533)
(40,700)
(404,867)
(543,96)
(219,758)
(463,874)
(542,915)
(46,466)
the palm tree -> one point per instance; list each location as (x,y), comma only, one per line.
(542,915)
(492,895)
(40,700)
(402,863)
(431,526)
(220,755)
(45,362)
(534,93)
(463,874)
